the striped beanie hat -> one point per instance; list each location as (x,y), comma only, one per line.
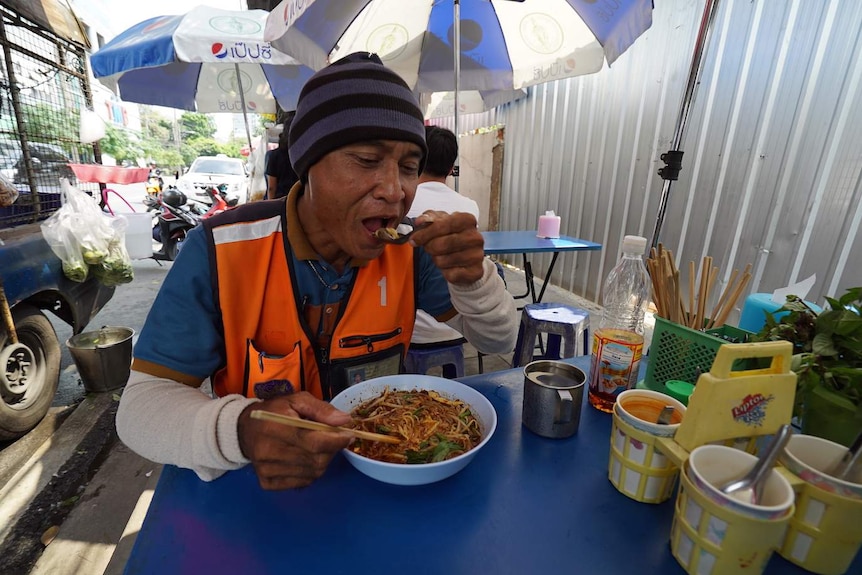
(354,99)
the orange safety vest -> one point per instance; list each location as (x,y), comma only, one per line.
(269,347)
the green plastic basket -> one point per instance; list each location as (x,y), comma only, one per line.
(678,352)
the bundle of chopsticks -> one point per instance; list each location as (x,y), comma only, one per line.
(668,294)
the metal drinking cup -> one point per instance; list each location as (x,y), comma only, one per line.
(553,394)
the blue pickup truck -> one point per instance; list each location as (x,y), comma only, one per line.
(33,283)
(39,143)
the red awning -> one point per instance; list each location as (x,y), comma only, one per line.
(109,174)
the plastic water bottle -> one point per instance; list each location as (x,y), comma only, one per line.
(618,343)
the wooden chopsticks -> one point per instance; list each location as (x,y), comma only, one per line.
(317,426)
(719,315)
(668,296)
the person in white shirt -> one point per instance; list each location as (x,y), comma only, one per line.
(432,193)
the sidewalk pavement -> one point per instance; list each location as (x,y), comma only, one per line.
(98,534)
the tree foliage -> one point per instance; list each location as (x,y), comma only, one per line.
(156,127)
(157,141)
(50,125)
(119,145)
(195,125)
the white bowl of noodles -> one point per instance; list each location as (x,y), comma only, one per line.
(448,391)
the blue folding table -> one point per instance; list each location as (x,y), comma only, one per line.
(526,242)
(524,505)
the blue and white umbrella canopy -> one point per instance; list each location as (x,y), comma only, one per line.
(442,104)
(504,44)
(207,60)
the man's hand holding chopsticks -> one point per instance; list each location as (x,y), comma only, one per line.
(287,457)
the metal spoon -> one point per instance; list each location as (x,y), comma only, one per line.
(665,415)
(845,466)
(391,236)
(750,487)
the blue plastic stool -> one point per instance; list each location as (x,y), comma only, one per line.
(449,357)
(560,321)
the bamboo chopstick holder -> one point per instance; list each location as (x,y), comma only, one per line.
(701,294)
(728,289)
(692,273)
(316,426)
(732,300)
(670,302)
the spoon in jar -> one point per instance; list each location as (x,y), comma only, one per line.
(392,236)
(848,462)
(749,489)
(665,415)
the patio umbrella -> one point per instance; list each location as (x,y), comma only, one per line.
(442,104)
(207,60)
(503,44)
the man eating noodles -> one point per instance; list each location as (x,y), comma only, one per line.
(278,303)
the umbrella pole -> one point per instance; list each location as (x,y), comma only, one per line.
(673,157)
(456,7)
(242,101)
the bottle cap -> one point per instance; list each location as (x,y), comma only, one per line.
(549,212)
(679,390)
(634,245)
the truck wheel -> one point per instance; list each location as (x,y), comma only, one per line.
(29,372)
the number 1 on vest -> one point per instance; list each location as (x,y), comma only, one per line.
(382,285)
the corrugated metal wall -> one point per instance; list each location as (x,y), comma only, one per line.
(772,172)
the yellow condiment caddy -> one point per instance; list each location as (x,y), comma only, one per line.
(731,407)
(636,468)
(709,539)
(825,533)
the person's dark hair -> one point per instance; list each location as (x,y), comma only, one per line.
(442,151)
(284,136)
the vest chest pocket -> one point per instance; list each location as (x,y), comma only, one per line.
(368,341)
(346,372)
(268,375)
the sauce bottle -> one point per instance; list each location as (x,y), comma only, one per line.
(618,343)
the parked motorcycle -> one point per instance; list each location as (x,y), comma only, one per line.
(207,195)
(177,215)
(155,183)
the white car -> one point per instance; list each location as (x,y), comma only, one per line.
(209,171)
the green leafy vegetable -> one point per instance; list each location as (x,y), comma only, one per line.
(93,256)
(76,271)
(116,268)
(827,347)
(440,451)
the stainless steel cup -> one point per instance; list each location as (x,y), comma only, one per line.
(553,393)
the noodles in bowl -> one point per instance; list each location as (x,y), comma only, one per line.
(446,414)
(431,428)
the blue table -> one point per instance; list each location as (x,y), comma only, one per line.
(526,242)
(525,505)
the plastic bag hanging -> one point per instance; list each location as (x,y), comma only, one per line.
(92,127)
